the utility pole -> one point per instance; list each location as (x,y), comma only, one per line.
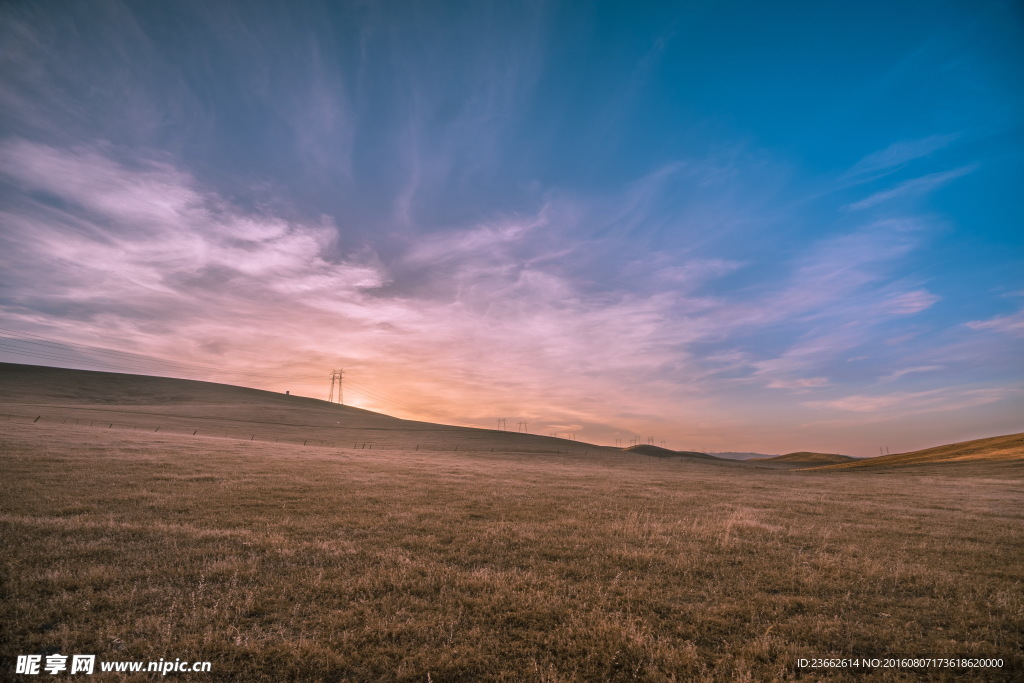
(336,376)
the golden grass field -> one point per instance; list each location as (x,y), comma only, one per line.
(539,560)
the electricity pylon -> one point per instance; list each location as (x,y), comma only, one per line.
(336,376)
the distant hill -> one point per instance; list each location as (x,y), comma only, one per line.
(731,455)
(995,449)
(659,452)
(808,457)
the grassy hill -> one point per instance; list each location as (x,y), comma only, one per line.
(659,452)
(140,402)
(739,455)
(808,457)
(995,450)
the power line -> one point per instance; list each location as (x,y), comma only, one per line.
(377,396)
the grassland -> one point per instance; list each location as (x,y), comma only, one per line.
(283,562)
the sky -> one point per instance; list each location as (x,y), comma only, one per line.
(725,226)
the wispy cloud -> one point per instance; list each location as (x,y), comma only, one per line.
(915,187)
(902,372)
(1012,324)
(491,318)
(908,303)
(799,383)
(896,156)
(149,259)
(905,403)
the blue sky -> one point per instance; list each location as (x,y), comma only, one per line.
(729,226)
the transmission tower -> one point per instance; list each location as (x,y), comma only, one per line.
(336,377)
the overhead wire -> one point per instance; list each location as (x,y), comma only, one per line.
(375,394)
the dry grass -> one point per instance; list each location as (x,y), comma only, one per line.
(279,562)
(282,563)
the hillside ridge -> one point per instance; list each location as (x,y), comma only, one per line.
(807,457)
(1007,448)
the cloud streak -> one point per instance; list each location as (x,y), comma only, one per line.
(896,156)
(893,405)
(1012,324)
(910,189)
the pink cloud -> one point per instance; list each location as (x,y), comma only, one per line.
(1012,324)
(904,403)
(799,383)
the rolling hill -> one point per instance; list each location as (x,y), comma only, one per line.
(807,457)
(205,409)
(739,455)
(659,452)
(995,450)
(195,408)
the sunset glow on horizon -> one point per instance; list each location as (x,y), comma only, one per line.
(726,229)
